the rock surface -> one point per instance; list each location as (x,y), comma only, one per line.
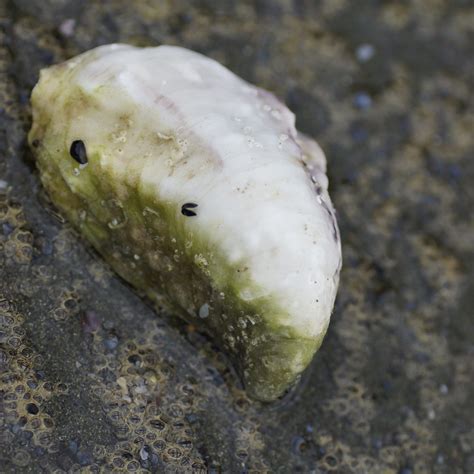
(93,379)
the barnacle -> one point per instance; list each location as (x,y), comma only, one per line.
(196,188)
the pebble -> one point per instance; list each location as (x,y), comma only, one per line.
(67,27)
(365,52)
(144,453)
(111,343)
(7,229)
(204,311)
(362,101)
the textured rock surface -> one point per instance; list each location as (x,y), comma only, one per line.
(92,378)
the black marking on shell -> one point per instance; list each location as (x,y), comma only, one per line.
(186,209)
(78,151)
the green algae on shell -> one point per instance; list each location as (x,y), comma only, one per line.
(197,189)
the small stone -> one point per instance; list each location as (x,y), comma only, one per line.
(204,311)
(7,228)
(365,52)
(144,453)
(111,343)
(67,27)
(443,389)
(362,101)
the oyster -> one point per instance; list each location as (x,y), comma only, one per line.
(197,189)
